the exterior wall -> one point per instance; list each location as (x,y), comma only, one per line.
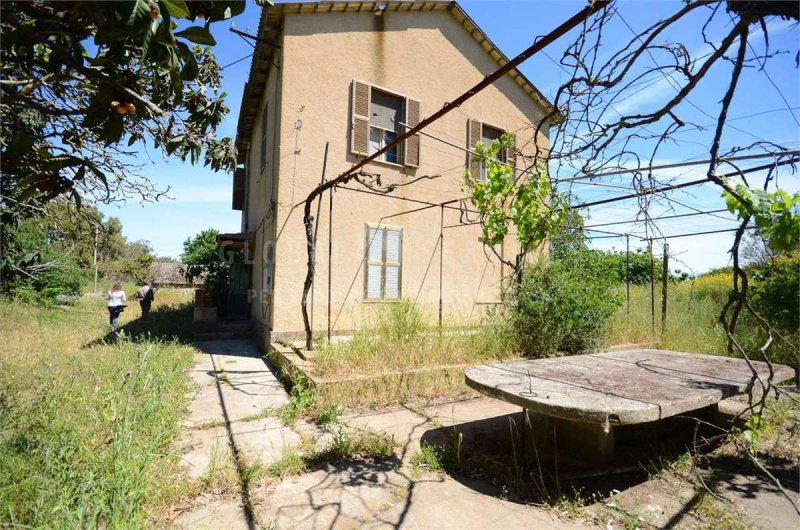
(426,56)
(259,215)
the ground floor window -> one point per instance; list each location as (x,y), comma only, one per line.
(384,253)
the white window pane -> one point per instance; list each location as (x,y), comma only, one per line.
(392,245)
(374,140)
(392,287)
(375,242)
(374,281)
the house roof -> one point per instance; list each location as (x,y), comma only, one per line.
(269,28)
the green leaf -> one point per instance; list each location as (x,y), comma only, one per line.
(139,14)
(176,8)
(198,35)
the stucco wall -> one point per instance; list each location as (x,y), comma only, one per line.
(259,215)
(426,56)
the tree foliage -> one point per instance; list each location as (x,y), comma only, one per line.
(84,82)
(505,199)
(202,259)
(34,271)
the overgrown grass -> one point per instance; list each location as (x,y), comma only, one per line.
(401,338)
(692,325)
(345,445)
(88,418)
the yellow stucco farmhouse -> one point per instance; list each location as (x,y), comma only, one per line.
(331,82)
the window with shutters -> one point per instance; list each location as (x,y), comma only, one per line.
(486,134)
(264,137)
(378,118)
(386,116)
(384,257)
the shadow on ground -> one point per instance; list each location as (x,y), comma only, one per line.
(166,323)
(515,458)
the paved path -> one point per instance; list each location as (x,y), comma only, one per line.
(229,416)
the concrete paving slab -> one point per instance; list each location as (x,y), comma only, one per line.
(406,426)
(212,516)
(458,412)
(263,440)
(624,387)
(358,495)
(197,447)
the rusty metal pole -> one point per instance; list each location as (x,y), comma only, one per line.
(628,272)
(441,262)
(664,283)
(316,225)
(330,255)
(652,291)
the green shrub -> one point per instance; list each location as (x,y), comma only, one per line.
(775,292)
(559,307)
(65,278)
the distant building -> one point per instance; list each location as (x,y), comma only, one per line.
(167,274)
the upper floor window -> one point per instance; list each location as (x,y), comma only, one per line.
(377,118)
(488,135)
(480,132)
(386,118)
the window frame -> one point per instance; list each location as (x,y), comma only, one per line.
(503,155)
(383,262)
(399,129)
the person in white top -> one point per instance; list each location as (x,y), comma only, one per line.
(116,304)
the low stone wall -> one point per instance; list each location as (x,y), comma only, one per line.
(373,390)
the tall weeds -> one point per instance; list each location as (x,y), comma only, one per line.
(402,338)
(86,425)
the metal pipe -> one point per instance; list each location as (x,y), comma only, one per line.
(330,255)
(664,279)
(628,272)
(652,291)
(316,227)
(441,261)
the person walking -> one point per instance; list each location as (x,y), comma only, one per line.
(146,294)
(116,304)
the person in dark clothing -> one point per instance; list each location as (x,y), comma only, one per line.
(146,295)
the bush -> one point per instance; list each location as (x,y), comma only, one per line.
(66,278)
(776,292)
(556,307)
(32,270)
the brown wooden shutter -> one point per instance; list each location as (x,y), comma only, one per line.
(411,147)
(239,182)
(474,129)
(511,153)
(359,134)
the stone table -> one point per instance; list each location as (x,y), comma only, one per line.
(587,395)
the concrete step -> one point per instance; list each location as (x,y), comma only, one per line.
(223,330)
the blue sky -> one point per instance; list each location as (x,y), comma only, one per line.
(202,198)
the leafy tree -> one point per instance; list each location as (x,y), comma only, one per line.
(33,270)
(133,263)
(82,82)
(76,231)
(202,259)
